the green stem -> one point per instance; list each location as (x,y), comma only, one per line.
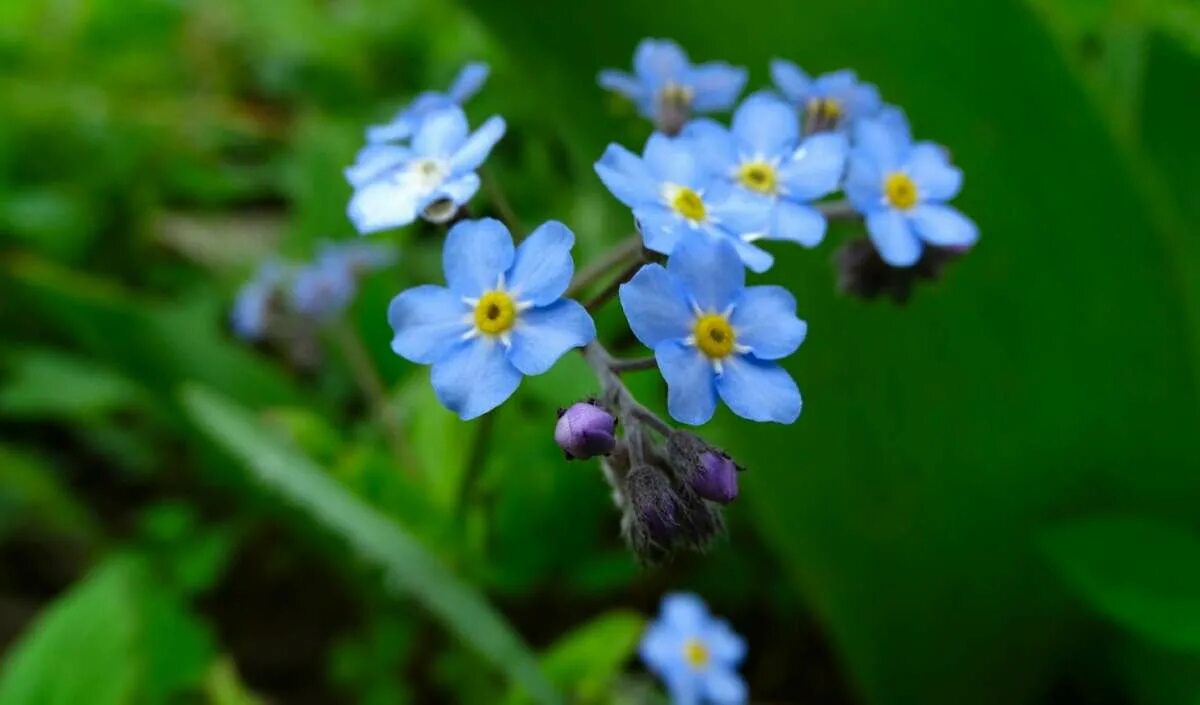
(609,291)
(626,249)
(500,202)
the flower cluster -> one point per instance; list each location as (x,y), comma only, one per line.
(695,654)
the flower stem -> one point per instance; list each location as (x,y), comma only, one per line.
(609,291)
(633,364)
(369,382)
(500,202)
(622,251)
(614,392)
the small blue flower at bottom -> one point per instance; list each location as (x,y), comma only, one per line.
(501,315)
(712,335)
(466,84)
(695,654)
(901,188)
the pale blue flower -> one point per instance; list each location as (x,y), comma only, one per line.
(256,299)
(432,177)
(836,99)
(713,336)
(901,188)
(665,81)
(695,654)
(501,315)
(675,198)
(324,288)
(762,154)
(468,82)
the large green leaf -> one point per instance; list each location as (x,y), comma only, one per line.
(936,436)
(1139,572)
(407,567)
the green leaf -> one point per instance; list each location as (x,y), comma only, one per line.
(1139,572)
(407,567)
(585,662)
(49,383)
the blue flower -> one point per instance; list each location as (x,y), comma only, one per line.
(468,82)
(253,306)
(674,198)
(502,315)
(763,154)
(901,188)
(695,654)
(324,288)
(432,177)
(666,87)
(711,335)
(836,99)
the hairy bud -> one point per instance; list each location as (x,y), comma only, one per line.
(585,430)
(862,272)
(706,470)
(652,513)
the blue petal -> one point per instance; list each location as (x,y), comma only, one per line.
(685,612)
(400,128)
(691,396)
(441,133)
(710,271)
(543,266)
(894,119)
(459,191)
(815,169)
(626,176)
(755,258)
(624,83)
(864,183)
(716,85)
(736,210)
(542,335)
(723,686)
(475,150)
(764,319)
(725,646)
(930,168)
(476,253)
(881,143)
(791,80)
(797,223)
(375,159)
(656,306)
(384,204)
(474,378)
(659,60)
(943,226)
(835,84)
(893,237)
(758,390)
(713,145)
(661,647)
(662,228)
(683,686)
(428,322)
(672,160)
(766,126)
(468,81)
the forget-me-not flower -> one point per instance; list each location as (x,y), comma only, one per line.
(675,198)
(432,177)
(326,286)
(712,335)
(501,315)
(667,87)
(466,84)
(252,307)
(694,653)
(836,99)
(763,154)
(901,188)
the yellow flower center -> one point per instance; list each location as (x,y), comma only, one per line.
(758,176)
(826,111)
(695,653)
(687,203)
(676,95)
(495,313)
(899,190)
(714,335)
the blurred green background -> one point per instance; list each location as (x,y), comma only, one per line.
(990,497)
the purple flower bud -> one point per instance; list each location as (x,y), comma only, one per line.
(585,430)
(715,477)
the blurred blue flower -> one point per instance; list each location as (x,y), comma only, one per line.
(762,153)
(695,654)
(666,87)
(711,335)
(325,287)
(901,188)
(468,82)
(501,316)
(675,198)
(835,99)
(255,300)
(432,177)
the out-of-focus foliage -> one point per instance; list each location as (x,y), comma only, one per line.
(937,527)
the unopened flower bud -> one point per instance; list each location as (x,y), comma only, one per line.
(585,430)
(862,272)
(707,470)
(652,513)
